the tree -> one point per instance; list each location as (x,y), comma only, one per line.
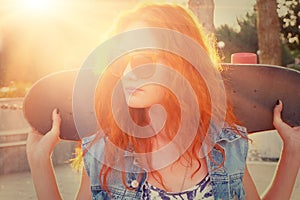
(290,22)
(268,29)
(204,10)
(244,40)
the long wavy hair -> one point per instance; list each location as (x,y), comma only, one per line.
(177,18)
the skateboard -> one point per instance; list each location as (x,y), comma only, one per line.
(52,91)
(253,90)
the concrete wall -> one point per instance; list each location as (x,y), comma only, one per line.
(265,146)
(14,129)
(13,135)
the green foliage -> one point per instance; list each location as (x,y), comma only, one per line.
(295,54)
(287,55)
(248,34)
(294,66)
(289,11)
(227,35)
(244,40)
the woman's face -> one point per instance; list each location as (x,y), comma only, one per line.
(140,67)
(139,92)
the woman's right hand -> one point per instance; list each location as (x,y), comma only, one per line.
(39,149)
(40,146)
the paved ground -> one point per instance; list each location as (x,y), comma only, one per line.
(19,186)
(262,174)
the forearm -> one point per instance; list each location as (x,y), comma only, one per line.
(285,177)
(44,179)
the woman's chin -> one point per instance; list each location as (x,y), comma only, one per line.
(135,103)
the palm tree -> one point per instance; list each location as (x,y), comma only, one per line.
(268,29)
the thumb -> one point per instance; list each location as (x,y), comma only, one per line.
(277,120)
(56,121)
(277,113)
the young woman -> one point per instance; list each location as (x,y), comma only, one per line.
(172,151)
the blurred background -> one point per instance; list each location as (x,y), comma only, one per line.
(38,37)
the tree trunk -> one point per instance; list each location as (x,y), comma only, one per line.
(204,10)
(268,29)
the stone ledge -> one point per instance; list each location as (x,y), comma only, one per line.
(13,157)
(12,144)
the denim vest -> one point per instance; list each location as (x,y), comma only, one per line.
(226,180)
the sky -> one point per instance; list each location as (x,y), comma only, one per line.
(226,11)
(34,32)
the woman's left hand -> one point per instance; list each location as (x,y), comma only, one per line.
(289,162)
(289,135)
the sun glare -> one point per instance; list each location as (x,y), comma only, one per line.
(43,36)
(37,5)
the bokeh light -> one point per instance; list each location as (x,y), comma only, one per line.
(43,36)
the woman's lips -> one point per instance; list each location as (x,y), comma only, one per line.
(132,90)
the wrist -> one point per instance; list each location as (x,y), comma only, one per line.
(39,159)
(289,148)
(290,155)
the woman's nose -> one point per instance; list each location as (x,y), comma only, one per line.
(128,74)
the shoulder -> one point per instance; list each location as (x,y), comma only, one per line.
(93,148)
(231,143)
(94,141)
(230,150)
(231,133)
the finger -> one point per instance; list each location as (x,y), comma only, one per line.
(277,112)
(278,123)
(56,121)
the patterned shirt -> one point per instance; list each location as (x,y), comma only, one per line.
(201,191)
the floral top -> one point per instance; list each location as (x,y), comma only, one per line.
(201,191)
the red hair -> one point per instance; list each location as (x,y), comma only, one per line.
(176,18)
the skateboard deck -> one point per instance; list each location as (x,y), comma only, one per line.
(253,90)
(52,91)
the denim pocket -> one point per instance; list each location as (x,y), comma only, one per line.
(115,193)
(236,186)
